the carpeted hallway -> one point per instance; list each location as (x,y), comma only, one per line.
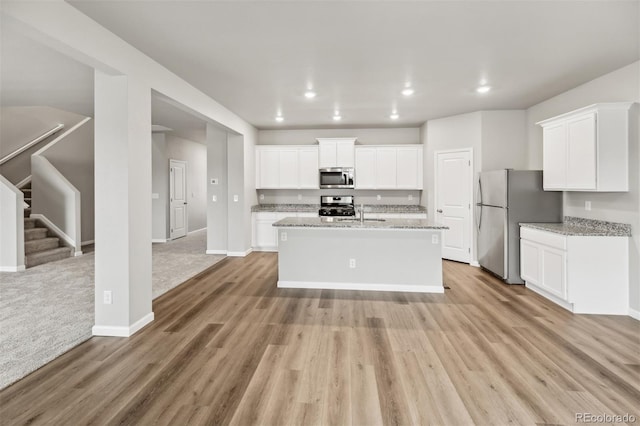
(49,309)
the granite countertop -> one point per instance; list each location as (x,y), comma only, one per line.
(577,226)
(330,222)
(286,208)
(368,208)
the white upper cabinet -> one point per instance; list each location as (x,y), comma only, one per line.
(286,167)
(336,152)
(587,149)
(388,167)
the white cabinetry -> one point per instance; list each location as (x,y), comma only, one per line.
(389,167)
(396,215)
(336,152)
(264,234)
(587,149)
(286,167)
(584,274)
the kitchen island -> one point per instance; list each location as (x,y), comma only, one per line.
(348,254)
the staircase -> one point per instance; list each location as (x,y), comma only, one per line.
(39,244)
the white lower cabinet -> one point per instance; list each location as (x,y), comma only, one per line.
(264,234)
(584,274)
(396,215)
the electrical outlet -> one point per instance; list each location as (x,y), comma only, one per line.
(214,198)
(235,198)
(107,297)
(283,236)
(410,197)
(352,263)
(587,205)
(262,196)
(435,239)
(378,197)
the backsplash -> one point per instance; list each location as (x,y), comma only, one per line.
(312,196)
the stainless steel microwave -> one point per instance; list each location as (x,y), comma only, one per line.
(337,177)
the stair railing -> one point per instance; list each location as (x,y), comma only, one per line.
(32,143)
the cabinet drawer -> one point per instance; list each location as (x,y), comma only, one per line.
(543,237)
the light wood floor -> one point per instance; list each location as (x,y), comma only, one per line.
(228,347)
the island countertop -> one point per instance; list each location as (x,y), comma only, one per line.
(338,222)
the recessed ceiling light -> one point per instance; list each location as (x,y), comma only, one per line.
(309,94)
(279,118)
(394,116)
(483,89)
(337,117)
(407,91)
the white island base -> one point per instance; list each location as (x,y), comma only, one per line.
(362,258)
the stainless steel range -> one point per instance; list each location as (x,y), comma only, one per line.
(332,205)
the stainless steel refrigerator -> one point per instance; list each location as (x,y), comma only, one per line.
(506,198)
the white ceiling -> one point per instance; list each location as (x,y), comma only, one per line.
(257,58)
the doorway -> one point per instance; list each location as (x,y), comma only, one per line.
(177,199)
(453,189)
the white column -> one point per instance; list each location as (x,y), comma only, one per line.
(122,204)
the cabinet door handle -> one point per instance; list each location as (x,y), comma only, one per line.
(439,211)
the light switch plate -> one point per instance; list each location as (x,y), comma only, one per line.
(214,181)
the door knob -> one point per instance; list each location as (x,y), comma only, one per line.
(439,211)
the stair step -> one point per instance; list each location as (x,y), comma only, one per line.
(47,256)
(27,212)
(41,244)
(29,223)
(35,234)
(26,190)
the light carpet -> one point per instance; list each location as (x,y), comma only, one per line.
(49,309)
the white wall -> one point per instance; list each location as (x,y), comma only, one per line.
(11,227)
(217,221)
(160,187)
(504,140)
(620,85)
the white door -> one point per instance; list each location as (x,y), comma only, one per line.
(177,199)
(453,183)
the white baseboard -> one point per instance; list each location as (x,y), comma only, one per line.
(197,230)
(12,268)
(120,331)
(158,240)
(59,232)
(474,263)
(269,249)
(216,252)
(77,253)
(239,253)
(634,314)
(362,286)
